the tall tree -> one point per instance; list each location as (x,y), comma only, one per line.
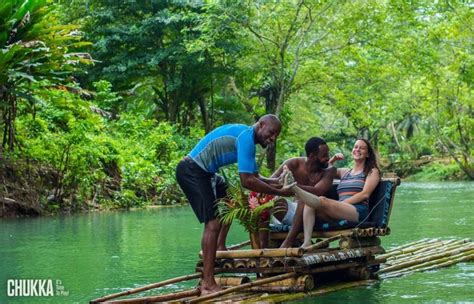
(36,54)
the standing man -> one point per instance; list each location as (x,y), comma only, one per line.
(311,174)
(196,175)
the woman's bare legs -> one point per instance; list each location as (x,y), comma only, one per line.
(308,198)
(309,217)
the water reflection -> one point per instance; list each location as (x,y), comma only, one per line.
(101,253)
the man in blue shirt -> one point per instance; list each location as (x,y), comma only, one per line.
(196,175)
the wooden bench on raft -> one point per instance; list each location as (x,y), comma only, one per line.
(376,224)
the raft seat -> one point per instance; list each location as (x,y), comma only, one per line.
(380,207)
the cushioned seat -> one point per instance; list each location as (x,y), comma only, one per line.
(380,205)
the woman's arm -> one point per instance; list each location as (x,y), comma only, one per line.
(370,183)
(336,157)
(341,172)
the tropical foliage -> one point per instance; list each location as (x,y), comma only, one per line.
(239,206)
(109,96)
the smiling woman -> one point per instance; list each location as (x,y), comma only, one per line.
(355,187)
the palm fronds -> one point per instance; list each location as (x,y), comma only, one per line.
(235,206)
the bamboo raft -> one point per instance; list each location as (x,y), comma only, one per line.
(346,256)
(289,274)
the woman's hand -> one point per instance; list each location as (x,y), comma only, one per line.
(336,157)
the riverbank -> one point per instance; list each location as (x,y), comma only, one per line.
(31,189)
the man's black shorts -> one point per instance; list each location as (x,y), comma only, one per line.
(197,185)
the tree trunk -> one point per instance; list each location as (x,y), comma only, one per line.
(271,104)
(204,114)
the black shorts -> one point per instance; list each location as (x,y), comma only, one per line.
(197,185)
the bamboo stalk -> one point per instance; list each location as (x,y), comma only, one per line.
(416,267)
(424,259)
(232,247)
(354,242)
(277,289)
(147,287)
(264,262)
(161,298)
(406,250)
(407,245)
(228,264)
(255,253)
(232,281)
(422,253)
(330,268)
(431,252)
(251,263)
(321,244)
(429,242)
(239,245)
(319,291)
(240,263)
(447,262)
(243,286)
(277,263)
(359,273)
(340,255)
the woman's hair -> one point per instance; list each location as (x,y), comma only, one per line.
(371,160)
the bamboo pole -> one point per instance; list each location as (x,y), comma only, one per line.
(228,264)
(340,255)
(425,259)
(415,268)
(330,268)
(418,260)
(240,263)
(251,263)
(232,247)
(264,262)
(321,244)
(161,298)
(295,296)
(445,262)
(239,245)
(354,242)
(148,287)
(243,286)
(425,253)
(232,281)
(411,256)
(277,289)
(408,249)
(277,263)
(407,245)
(359,273)
(255,253)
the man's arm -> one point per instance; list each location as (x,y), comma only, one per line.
(253,183)
(324,185)
(274,181)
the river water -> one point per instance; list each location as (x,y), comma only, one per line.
(89,255)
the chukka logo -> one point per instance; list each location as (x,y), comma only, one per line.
(30,288)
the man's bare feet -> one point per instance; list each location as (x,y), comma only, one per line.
(306,245)
(208,289)
(220,248)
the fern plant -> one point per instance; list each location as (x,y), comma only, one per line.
(235,206)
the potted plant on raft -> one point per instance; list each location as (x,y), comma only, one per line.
(248,210)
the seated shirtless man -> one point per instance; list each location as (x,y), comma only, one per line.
(311,174)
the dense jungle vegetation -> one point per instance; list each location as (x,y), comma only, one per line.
(100,99)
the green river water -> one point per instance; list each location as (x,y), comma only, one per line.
(93,254)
